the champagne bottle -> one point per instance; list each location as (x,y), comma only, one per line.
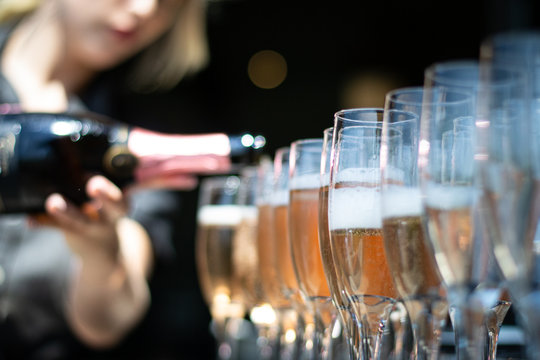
(42,153)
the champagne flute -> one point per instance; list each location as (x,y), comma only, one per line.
(247,281)
(304,178)
(485,281)
(509,168)
(452,204)
(355,230)
(342,119)
(218,218)
(268,254)
(339,299)
(303,340)
(409,254)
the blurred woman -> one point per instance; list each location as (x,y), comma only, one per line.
(82,282)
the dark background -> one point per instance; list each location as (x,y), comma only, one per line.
(330,47)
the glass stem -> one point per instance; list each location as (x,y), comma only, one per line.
(372,335)
(355,339)
(468,323)
(427,335)
(494,318)
(321,339)
(268,342)
(428,316)
(373,312)
(219,330)
(307,343)
(324,316)
(371,345)
(339,344)
(493,338)
(290,333)
(348,331)
(399,347)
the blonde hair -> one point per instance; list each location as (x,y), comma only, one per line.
(181,51)
(13,9)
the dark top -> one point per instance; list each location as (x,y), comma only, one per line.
(35,263)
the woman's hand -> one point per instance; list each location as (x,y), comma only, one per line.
(91,229)
(109,292)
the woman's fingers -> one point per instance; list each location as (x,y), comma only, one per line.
(65,214)
(100,187)
(107,198)
(106,206)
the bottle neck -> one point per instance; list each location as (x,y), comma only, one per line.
(166,155)
(146,144)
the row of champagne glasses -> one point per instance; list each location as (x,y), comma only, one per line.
(354,305)
(382,257)
(367,258)
(425,210)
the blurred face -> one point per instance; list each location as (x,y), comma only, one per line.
(102,33)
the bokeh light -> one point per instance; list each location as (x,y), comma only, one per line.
(267,69)
(368,89)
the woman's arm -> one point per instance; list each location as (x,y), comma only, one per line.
(109,292)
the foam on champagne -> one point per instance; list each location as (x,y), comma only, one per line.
(355,208)
(355,203)
(249,212)
(398,201)
(446,197)
(280,197)
(306,181)
(220,215)
(325,179)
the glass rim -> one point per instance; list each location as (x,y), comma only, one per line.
(513,38)
(341,114)
(391,95)
(510,75)
(462,97)
(452,64)
(217,180)
(307,141)
(281,150)
(223,183)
